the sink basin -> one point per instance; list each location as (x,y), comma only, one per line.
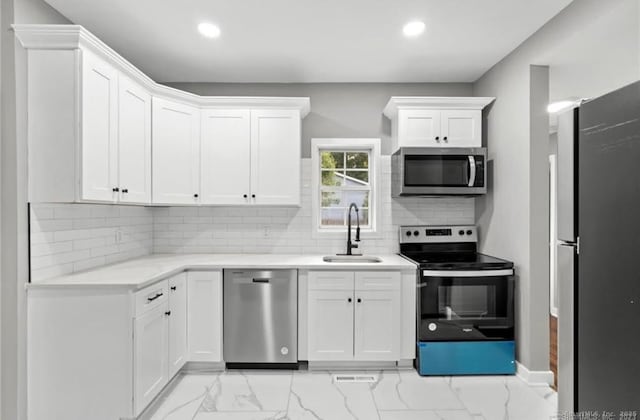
(351,259)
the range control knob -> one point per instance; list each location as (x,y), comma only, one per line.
(461,232)
(408,233)
(416,233)
(469,232)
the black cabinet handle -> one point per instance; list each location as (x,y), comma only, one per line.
(174,287)
(168,313)
(349,300)
(445,138)
(245,196)
(124,191)
(437,138)
(151,299)
(359,300)
(253,196)
(115,189)
(195,195)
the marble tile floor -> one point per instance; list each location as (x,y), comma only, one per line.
(315,395)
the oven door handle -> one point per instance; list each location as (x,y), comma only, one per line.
(472,171)
(467,273)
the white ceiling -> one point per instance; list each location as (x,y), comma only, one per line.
(312,40)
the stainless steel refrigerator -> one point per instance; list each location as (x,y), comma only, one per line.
(598,254)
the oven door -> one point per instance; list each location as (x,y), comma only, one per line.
(466,305)
(450,171)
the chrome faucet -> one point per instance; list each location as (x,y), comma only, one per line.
(351,245)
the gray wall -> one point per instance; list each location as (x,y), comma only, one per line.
(37,11)
(13,205)
(337,109)
(591,47)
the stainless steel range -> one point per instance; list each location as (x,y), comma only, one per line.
(465,302)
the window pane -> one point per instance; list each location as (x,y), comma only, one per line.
(364,217)
(332,217)
(331,199)
(332,178)
(360,198)
(358,160)
(332,160)
(357,178)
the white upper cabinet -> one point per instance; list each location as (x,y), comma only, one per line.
(134,142)
(226,156)
(461,128)
(275,157)
(418,127)
(99,130)
(89,130)
(176,152)
(250,157)
(436,121)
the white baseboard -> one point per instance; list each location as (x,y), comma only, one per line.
(534,377)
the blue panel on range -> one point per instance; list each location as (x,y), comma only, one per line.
(467,358)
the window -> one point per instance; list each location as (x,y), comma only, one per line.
(344,172)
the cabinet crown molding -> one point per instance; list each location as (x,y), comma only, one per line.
(397,103)
(71,37)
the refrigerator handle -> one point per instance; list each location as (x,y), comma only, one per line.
(472,170)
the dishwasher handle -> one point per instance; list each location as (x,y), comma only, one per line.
(261,280)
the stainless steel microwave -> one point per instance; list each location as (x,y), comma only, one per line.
(439,171)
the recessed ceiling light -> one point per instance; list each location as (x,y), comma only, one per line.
(209,30)
(413,29)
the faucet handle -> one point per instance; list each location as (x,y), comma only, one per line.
(354,245)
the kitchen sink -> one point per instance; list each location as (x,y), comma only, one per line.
(351,259)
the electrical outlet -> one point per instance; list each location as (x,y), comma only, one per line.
(266,231)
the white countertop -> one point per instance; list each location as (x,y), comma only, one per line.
(141,272)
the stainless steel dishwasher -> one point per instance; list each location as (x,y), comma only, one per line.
(260,318)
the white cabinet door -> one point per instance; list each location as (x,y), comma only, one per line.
(151,357)
(178,350)
(226,157)
(461,128)
(419,128)
(176,153)
(99,129)
(377,325)
(205,316)
(275,157)
(134,142)
(330,325)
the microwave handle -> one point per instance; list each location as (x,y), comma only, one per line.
(472,171)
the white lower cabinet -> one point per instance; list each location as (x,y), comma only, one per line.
(178,344)
(377,317)
(205,316)
(151,358)
(119,347)
(354,316)
(330,325)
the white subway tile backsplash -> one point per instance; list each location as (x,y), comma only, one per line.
(288,230)
(66,238)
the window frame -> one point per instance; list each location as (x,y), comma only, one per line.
(370,145)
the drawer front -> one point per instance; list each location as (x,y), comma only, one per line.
(151,297)
(377,280)
(330,280)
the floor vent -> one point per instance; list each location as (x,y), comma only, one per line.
(355,378)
